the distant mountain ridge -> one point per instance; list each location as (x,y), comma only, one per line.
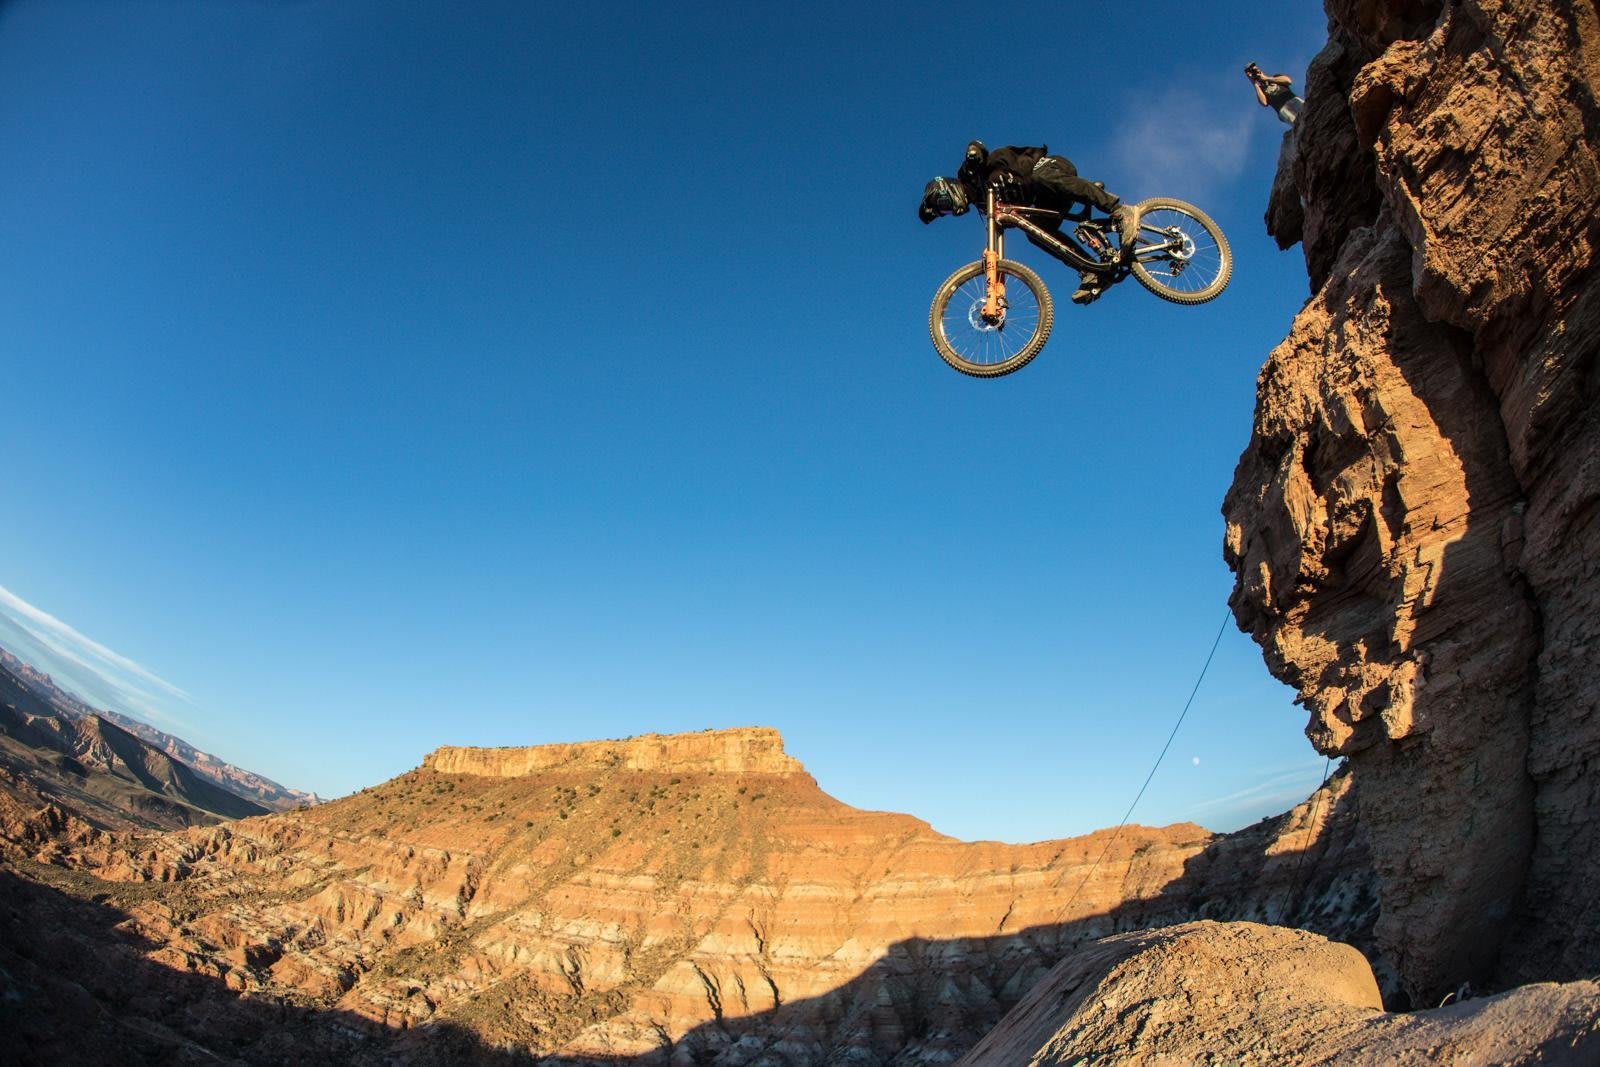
(50,759)
(259,790)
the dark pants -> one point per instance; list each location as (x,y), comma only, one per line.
(1057,186)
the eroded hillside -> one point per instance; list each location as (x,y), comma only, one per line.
(695,898)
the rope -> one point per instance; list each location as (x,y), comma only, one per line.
(1147,779)
(1294,883)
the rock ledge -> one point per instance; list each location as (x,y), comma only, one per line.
(743,750)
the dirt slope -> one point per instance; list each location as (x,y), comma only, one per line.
(1244,993)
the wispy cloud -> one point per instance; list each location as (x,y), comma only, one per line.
(1270,795)
(86,667)
(1185,142)
(134,695)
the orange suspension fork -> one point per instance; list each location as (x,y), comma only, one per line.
(994,302)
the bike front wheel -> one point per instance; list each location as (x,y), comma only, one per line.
(1180,254)
(982,349)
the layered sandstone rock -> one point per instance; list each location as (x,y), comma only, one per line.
(750,750)
(1244,993)
(562,902)
(1413,525)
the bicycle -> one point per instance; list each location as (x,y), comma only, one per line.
(980,327)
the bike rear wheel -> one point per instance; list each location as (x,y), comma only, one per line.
(1180,254)
(988,350)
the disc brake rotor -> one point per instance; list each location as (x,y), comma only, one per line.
(1182,245)
(976,320)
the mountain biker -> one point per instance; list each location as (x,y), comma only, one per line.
(1023,175)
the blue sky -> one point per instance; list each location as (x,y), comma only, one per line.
(389,375)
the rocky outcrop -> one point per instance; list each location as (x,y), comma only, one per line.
(1413,526)
(49,834)
(595,911)
(1243,993)
(750,750)
(1363,576)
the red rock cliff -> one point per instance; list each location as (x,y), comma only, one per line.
(1413,526)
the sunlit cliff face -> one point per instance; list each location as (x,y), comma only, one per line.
(1349,517)
(1412,526)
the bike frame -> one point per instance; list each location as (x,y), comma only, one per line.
(1002,217)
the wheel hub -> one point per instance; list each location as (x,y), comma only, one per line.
(1179,244)
(981,322)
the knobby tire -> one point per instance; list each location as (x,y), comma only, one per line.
(1211,290)
(1014,272)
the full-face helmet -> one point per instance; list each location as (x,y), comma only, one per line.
(942,196)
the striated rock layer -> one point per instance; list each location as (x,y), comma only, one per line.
(1413,526)
(752,750)
(638,901)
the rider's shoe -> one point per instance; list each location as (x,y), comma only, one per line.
(1089,291)
(1126,218)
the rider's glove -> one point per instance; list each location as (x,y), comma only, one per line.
(1007,187)
(926,213)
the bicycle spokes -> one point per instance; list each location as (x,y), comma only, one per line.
(991,317)
(1173,249)
(987,329)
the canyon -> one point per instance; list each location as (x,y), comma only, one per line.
(692,898)
(122,771)
(1414,530)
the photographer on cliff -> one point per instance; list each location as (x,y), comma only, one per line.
(1275,91)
